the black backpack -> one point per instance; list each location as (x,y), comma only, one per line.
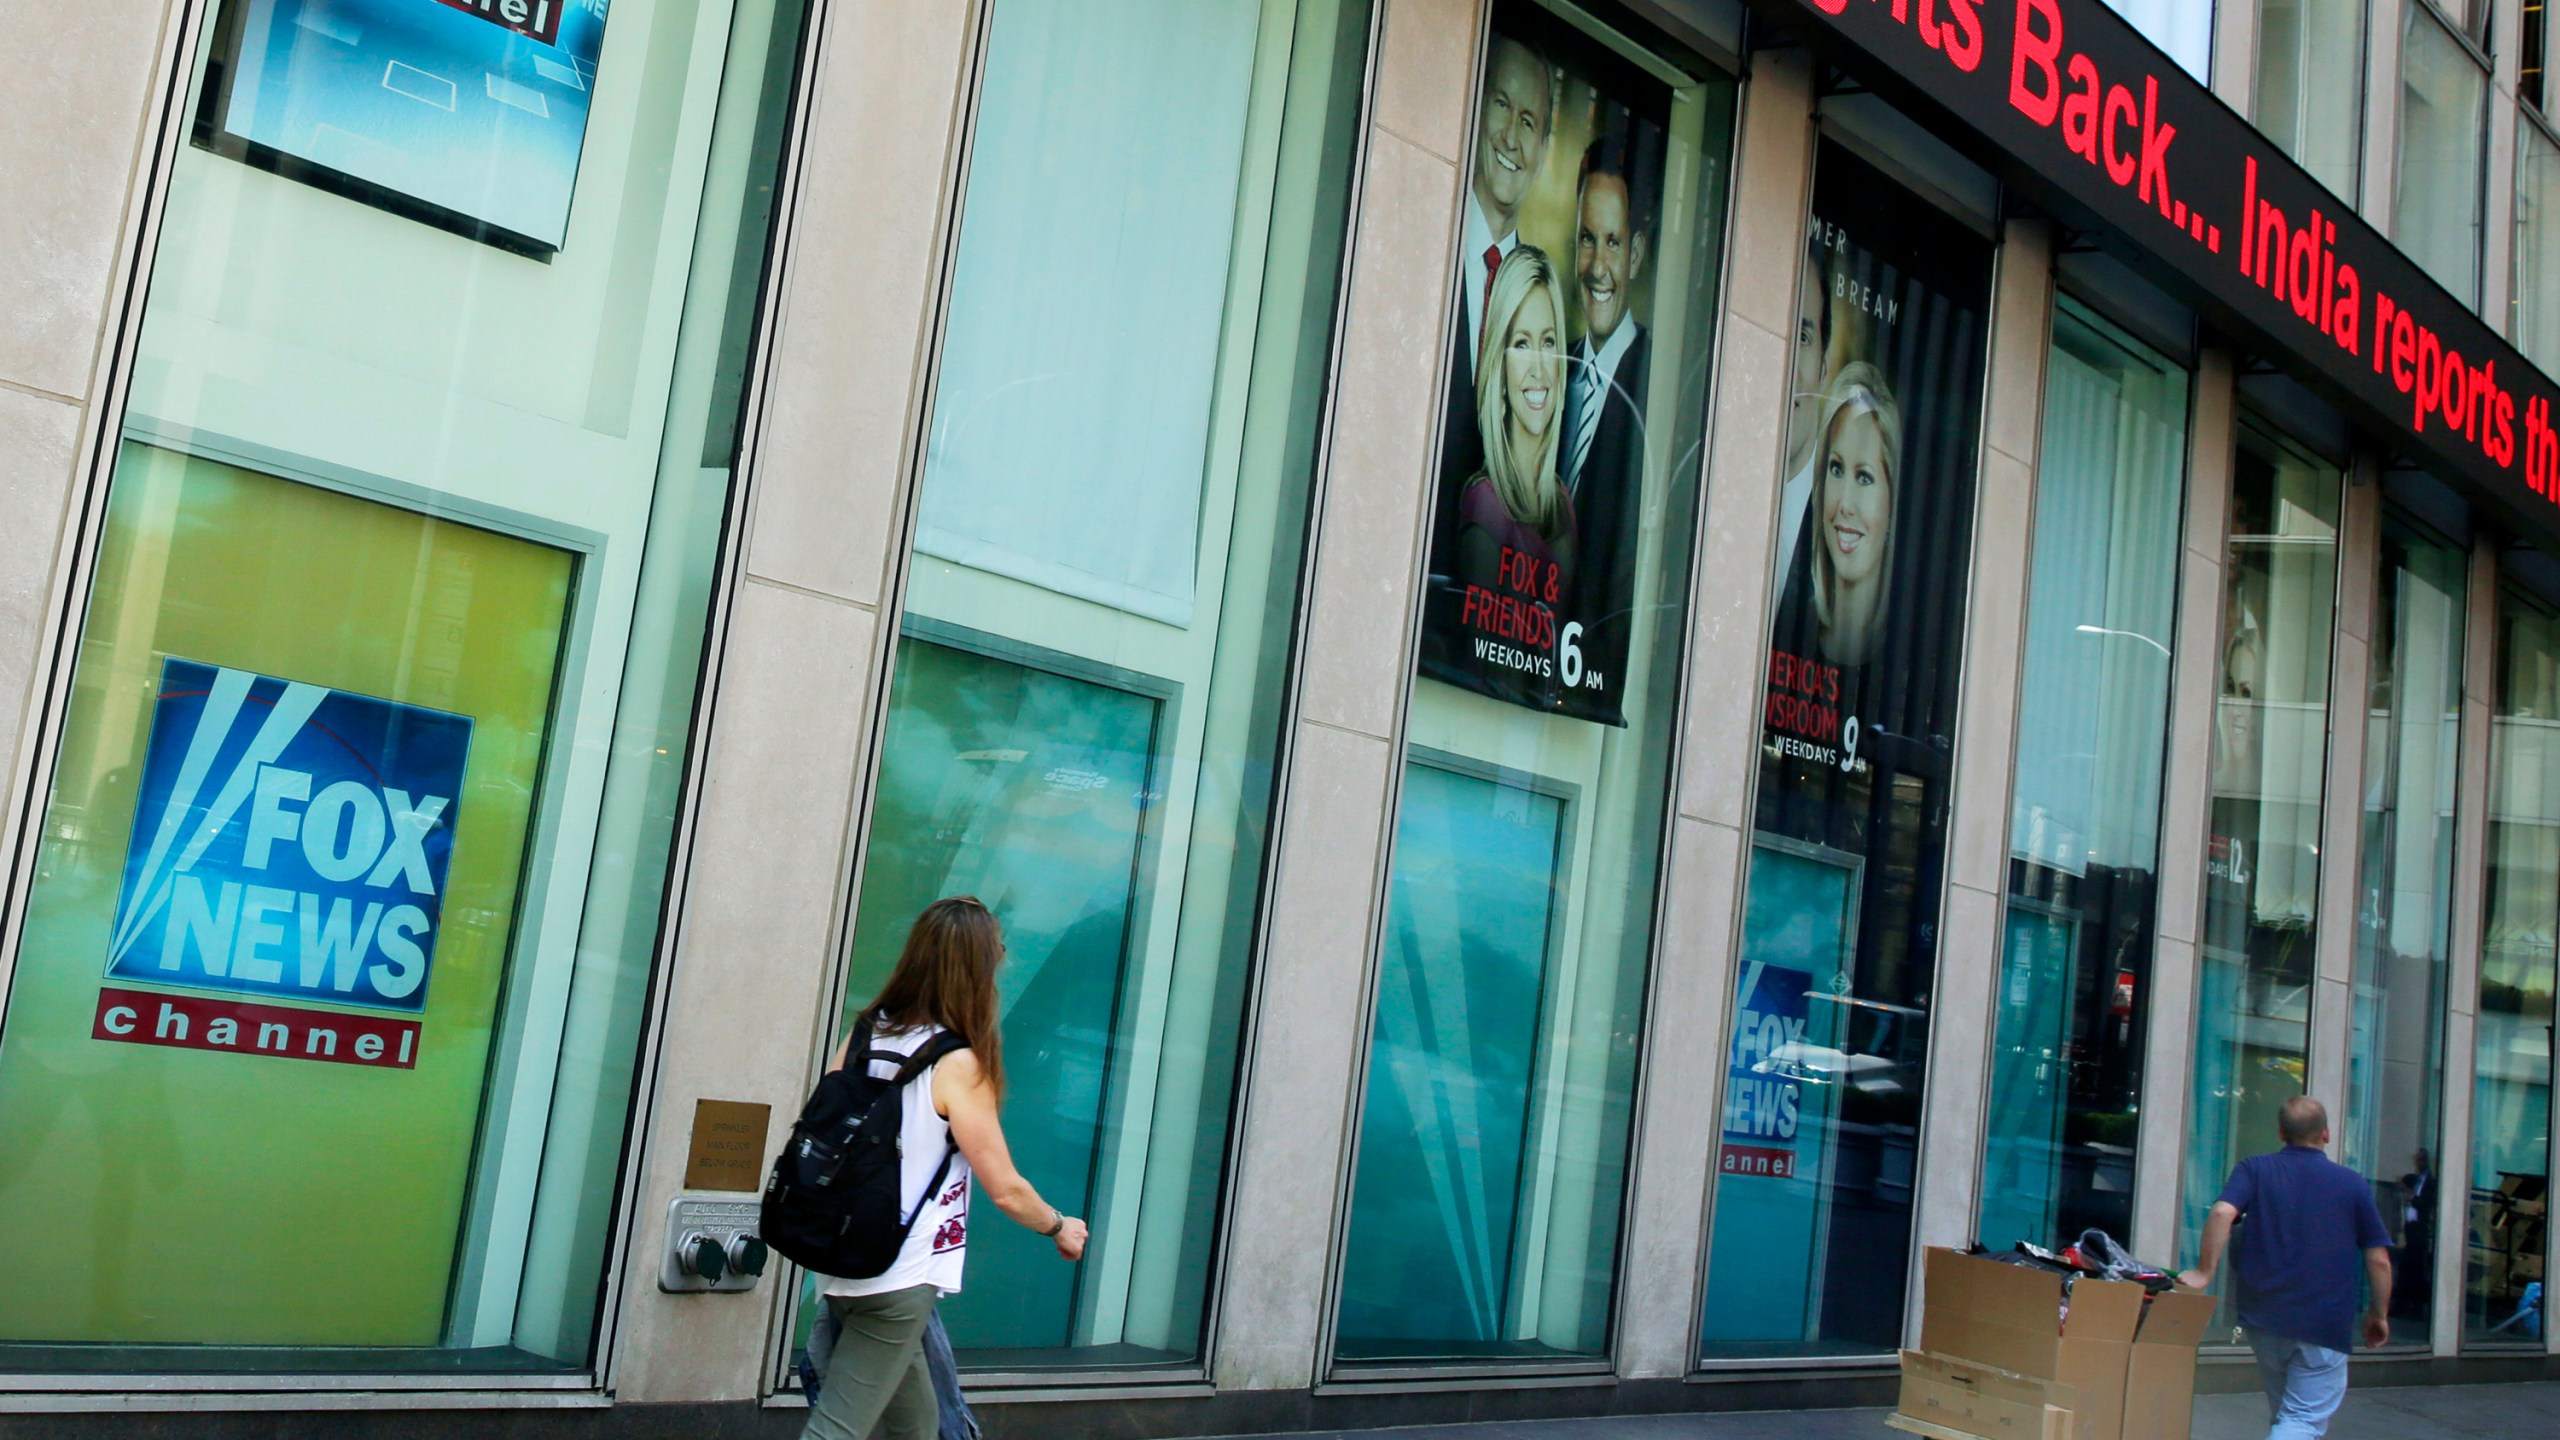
(832,1204)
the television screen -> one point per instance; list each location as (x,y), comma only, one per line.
(468,114)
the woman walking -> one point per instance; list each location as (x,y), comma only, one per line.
(945,980)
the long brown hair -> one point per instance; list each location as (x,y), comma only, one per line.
(946,976)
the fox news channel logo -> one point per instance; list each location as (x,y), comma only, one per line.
(290,840)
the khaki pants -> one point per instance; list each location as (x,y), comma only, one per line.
(876,1373)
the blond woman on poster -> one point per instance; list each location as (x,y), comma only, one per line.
(1516,502)
(1855,487)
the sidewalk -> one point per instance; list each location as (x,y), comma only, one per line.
(2452,1412)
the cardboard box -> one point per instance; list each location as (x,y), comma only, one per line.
(1945,1396)
(2009,1317)
(2121,1364)
(2160,1376)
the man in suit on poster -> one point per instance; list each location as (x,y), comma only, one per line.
(1517,120)
(1812,376)
(1604,437)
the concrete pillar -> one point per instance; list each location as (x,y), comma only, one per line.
(804,644)
(2186,811)
(1682,1087)
(90,123)
(2462,969)
(2381,160)
(2235,54)
(2342,810)
(1308,1035)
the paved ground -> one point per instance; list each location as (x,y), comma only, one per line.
(2506,1412)
(2417,1412)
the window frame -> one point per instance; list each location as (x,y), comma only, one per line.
(163,138)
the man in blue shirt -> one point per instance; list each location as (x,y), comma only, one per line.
(2307,1220)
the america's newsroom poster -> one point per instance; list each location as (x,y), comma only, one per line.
(1875,527)
(1542,456)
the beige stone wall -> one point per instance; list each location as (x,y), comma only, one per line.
(802,651)
(81,107)
(805,624)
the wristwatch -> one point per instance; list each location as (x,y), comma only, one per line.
(1057,1222)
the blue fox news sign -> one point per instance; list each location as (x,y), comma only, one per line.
(290,840)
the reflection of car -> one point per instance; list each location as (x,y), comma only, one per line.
(1823,1065)
(1879,1029)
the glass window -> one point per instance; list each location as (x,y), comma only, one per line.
(2310,85)
(1491,1167)
(2510,1196)
(1092,658)
(2183,28)
(1826,1065)
(2404,909)
(2262,856)
(2537,300)
(2084,839)
(2444,118)
(2535,57)
(352,859)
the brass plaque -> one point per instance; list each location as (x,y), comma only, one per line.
(728,1145)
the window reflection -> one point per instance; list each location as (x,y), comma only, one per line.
(2310,96)
(2537,279)
(1093,654)
(2444,95)
(2084,840)
(2507,1225)
(1491,1169)
(2404,910)
(2262,856)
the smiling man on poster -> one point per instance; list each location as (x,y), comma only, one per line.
(1604,408)
(1512,131)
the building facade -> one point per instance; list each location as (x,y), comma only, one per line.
(1613,664)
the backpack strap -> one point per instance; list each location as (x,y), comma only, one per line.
(927,1054)
(910,1065)
(857,1046)
(930,1190)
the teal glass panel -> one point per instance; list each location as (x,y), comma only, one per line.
(2084,839)
(1782,1095)
(1026,788)
(2262,858)
(2404,910)
(2507,1222)
(1490,1171)
(1470,924)
(2025,1165)
(1110,526)
(1861,703)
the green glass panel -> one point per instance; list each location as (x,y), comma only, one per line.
(2084,839)
(1469,927)
(1497,1108)
(2404,909)
(2023,1174)
(2262,859)
(2507,1216)
(1028,789)
(1774,1188)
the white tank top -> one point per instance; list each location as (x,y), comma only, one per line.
(937,1244)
